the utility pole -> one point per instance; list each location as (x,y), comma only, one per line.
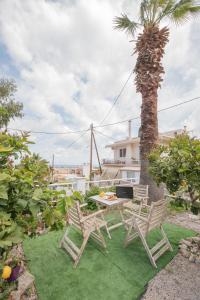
(97,154)
(92,139)
(91,148)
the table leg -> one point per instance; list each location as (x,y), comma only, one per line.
(102,215)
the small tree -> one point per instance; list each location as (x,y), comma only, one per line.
(9,108)
(178,166)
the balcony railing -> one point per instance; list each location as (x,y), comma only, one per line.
(125,162)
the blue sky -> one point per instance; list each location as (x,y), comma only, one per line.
(69,65)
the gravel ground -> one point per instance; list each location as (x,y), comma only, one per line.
(186,220)
(180,280)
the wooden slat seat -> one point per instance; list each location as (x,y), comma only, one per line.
(92,223)
(87,226)
(138,225)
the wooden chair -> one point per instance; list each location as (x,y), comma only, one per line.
(140,199)
(88,225)
(137,225)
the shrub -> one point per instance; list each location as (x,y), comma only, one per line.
(178,166)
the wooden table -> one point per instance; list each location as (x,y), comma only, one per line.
(111,204)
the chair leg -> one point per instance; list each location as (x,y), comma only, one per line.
(107,230)
(128,235)
(86,237)
(101,237)
(166,238)
(123,219)
(146,247)
(65,234)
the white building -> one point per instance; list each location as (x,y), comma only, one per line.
(126,157)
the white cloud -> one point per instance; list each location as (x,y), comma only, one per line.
(72,64)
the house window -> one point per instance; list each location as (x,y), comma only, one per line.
(131,174)
(122,152)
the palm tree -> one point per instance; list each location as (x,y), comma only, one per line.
(150,45)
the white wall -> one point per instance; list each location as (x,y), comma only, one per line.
(132,151)
(135,151)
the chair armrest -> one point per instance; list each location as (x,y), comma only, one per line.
(138,217)
(99,212)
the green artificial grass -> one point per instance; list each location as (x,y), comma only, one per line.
(114,274)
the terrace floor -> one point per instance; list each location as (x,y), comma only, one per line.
(112,274)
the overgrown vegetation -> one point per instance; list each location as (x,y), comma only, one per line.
(178,166)
(27,205)
(25,199)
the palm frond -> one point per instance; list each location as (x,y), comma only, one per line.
(125,24)
(152,11)
(165,8)
(183,10)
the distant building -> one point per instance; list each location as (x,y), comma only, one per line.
(126,156)
(62,174)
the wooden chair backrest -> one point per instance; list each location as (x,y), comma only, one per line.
(75,216)
(140,191)
(157,214)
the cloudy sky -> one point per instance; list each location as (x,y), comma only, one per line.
(69,65)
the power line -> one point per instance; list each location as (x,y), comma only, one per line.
(116,99)
(178,104)
(46,132)
(163,109)
(109,137)
(74,142)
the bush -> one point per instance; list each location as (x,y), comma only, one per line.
(178,166)
(24,193)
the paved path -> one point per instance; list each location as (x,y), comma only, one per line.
(180,280)
(186,220)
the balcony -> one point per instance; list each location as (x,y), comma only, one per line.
(121,163)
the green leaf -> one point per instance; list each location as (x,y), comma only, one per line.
(5,149)
(3,192)
(37,194)
(77,196)
(34,208)
(5,243)
(22,203)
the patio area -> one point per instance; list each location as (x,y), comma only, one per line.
(115,273)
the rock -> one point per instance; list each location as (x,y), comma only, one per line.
(196,239)
(194,250)
(183,247)
(194,217)
(185,253)
(25,281)
(192,258)
(190,248)
(187,243)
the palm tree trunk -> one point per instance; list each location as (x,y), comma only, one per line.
(148,140)
(150,48)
